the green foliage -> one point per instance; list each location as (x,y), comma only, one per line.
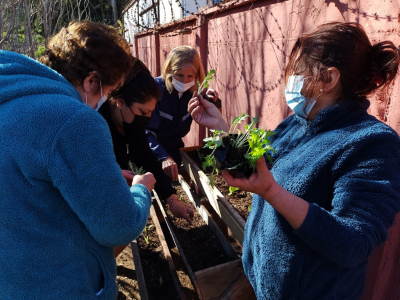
(232,189)
(161,280)
(249,208)
(135,169)
(40,51)
(257,139)
(205,84)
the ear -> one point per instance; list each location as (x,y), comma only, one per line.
(332,82)
(118,103)
(91,83)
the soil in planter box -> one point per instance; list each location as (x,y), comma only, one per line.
(155,268)
(240,200)
(200,246)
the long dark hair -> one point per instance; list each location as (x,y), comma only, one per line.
(363,67)
(139,86)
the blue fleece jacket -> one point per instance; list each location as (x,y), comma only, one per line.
(64,203)
(346,164)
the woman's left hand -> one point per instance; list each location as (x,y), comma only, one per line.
(262,182)
(180,209)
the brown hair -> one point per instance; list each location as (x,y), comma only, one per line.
(87,46)
(139,86)
(363,67)
(178,58)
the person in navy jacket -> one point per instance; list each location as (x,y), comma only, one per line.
(170,121)
(334,187)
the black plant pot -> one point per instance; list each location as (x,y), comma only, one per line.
(228,156)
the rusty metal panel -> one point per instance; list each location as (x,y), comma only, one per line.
(146,47)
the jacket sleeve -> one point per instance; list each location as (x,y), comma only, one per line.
(151,134)
(146,159)
(84,170)
(365,201)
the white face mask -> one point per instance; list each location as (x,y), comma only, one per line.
(102,99)
(295,100)
(180,86)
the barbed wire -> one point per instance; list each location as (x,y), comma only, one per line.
(154,24)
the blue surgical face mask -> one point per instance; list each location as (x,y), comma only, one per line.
(295,100)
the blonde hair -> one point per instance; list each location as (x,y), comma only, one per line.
(178,58)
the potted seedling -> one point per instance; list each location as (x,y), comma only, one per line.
(237,151)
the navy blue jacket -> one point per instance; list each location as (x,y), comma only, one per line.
(346,164)
(170,122)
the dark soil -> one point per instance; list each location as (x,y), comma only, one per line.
(200,246)
(240,200)
(158,280)
(229,157)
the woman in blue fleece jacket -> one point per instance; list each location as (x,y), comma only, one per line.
(334,187)
(64,202)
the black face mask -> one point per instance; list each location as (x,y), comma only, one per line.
(138,122)
(141,121)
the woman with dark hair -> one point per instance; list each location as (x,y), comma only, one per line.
(64,202)
(334,187)
(128,113)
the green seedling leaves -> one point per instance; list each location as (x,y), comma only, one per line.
(205,84)
(232,189)
(161,280)
(135,169)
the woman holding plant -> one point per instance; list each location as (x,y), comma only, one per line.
(334,187)
(170,121)
(64,203)
(128,113)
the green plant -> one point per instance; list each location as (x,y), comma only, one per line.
(232,189)
(135,169)
(205,83)
(256,139)
(145,236)
(161,280)
(249,208)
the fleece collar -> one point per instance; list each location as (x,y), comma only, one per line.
(328,117)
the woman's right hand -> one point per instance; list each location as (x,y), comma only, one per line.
(147,180)
(170,168)
(206,113)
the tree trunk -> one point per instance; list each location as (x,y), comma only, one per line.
(29,29)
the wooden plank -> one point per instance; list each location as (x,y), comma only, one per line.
(167,254)
(214,281)
(177,244)
(232,219)
(193,170)
(207,218)
(218,202)
(209,192)
(139,271)
(240,289)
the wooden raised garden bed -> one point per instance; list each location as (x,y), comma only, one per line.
(213,266)
(234,220)
(154,270)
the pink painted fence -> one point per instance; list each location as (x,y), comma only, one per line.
(248,44)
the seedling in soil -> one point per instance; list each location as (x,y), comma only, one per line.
(249,208)
(146,237)
(237,151)
(232,189)
(206,81)
(135,169)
